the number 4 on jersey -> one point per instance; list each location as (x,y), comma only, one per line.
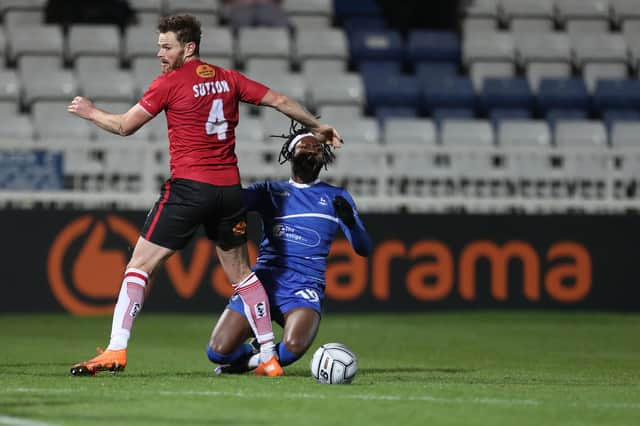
(216,123)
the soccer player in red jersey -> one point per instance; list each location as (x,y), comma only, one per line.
(200,101)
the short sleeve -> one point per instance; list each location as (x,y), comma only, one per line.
(250,91)
(155,99)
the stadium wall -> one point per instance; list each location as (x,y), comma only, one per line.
(72,261)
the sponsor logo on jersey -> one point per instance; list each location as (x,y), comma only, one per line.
(240,228)
(206,71)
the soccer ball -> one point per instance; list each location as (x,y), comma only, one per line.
(334,364)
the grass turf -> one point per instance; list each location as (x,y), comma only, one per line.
(473,368)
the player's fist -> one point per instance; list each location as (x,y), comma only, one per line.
(82,107)
(344,211)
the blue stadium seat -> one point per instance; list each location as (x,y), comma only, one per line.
(384,113)
(361,23)
(612,116)
(554,115)
(563,93)
(376,45)
(455,92)
(506,93)
(392,90)
(344,9)
(441,114)
(616,94)
(371,69)
(429,71)
(497,115)
(425,45)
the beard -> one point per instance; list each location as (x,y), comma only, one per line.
(306,166)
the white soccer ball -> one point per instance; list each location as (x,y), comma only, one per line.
(334,364)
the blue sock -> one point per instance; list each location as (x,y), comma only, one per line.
(240,352)
(284,356)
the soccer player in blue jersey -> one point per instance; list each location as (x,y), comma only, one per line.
(300,219)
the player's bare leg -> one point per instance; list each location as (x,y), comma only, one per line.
(227,347)
(135,285)
(235,262)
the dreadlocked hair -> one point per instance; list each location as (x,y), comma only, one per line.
(297,129)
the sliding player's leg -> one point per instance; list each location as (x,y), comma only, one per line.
(226,346)
(300,329)
(146,256)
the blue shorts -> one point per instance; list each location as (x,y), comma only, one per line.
(287,291)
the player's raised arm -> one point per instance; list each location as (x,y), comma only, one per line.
(297,112)
(120,124)
(353,228)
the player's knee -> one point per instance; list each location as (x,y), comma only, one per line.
(216,355)
(296,345)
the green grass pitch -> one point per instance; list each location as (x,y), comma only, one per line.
(458,368)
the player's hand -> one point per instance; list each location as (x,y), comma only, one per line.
(344,211)
(329,135)
(82,107)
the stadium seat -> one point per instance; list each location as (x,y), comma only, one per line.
(10,85)
(583,9)
(594,71)
(330,43)
(108,85)
(553,116)
(440,115)
(16,18)
(207,11)
(499,115)
(481,9)
(585,133)
(249,132)
(29,65)
(97,64)
(143,134)
(624,10)
(262,42)
(34,5)
(480,71)
(448,93)
(263,68)
(143,71)
(617,94)
(536,71)
(217,42)
(625,134)
(99,40)
(561,93)
(526,133)
(506,93)
(315,69)
(528,26)
(58,86)
(429,71)
(21,127)
(303,23)
(273,123)
(308,8)
(363,23)
(333,113)
(35,40)
(293,84)
(467,132)
(410,131)
(147,5)
(498,46)
(529,9)
(52,121)
(543,47)
(376,45)
(433,46)
(140,41)
(341,89)
(370,70)
(344,9)
(363,130)
(611,117)
(578,27)
(392,90)
(479,25)
(3,45)
(385,113)
(599,48)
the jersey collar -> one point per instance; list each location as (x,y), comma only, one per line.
(303,185)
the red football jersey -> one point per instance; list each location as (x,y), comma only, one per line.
(201,104)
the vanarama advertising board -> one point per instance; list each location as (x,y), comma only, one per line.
(73,261)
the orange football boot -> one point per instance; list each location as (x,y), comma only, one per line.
(109,360)
(270,368)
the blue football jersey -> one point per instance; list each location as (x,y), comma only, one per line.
(299,223)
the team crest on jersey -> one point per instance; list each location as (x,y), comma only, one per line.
(240,228)
(206,71)
(323,201)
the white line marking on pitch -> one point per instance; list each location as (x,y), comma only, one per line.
(17,421)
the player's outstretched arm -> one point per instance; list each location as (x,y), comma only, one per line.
(297,112)
(353,228)
(121,124)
